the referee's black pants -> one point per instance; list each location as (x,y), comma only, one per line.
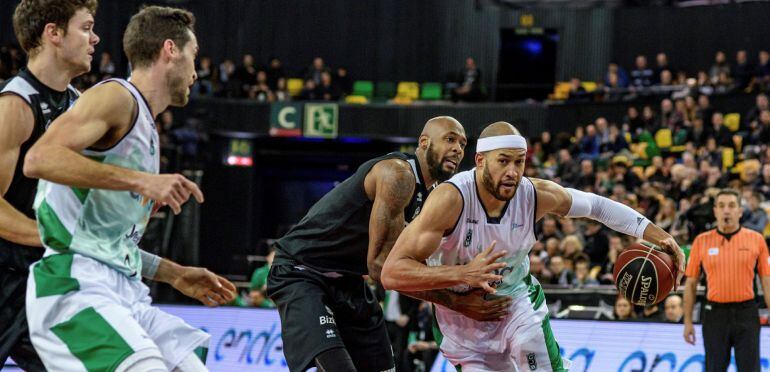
(727,326)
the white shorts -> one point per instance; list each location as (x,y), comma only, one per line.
(85,316)
(523,341)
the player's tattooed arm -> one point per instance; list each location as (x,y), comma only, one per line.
(390,184)
(15,129)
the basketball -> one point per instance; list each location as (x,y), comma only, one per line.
(644,275)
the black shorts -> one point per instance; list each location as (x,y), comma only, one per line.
(14,334)
(320,313)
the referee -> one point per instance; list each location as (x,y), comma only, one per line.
(729,256)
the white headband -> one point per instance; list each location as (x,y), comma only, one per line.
(513,141)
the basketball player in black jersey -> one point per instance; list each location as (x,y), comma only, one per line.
(59,39)
(329,317)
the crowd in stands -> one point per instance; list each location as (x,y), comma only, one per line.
(676,82)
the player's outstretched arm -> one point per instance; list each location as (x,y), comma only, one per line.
(555,199)
(196,282)
(100,111)
(405,269)
(392,183)
(15,128)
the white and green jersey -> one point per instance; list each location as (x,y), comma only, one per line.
(514,232)
(105,225)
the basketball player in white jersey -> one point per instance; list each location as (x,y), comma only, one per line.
(87,308)
(476,230)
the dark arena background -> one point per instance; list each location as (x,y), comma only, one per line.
(656,104)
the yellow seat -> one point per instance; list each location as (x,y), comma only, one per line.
(589,86)
(560,91)
(295,86)
(728,158)
(733,121)
(408,89)
(359,100)
(664,138)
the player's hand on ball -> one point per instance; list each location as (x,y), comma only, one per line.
(479,272)
(169,189)
(671,246)
(689,333)
(482,306)
(204,286)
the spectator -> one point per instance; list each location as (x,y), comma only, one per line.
(590,145)
(673,309)
(704,109)
(642,76)
(106,66)
(309,91)
(719,67)
(754,217)
(567,168)
(623,309)
(470,86)
(762,78)
(697,133)
(661,64)
(227,81)
(281,93)
(649,120)
(422,349)
(587,179)
(538,270)
(576,92)
(328,91)
(582,275)
(615,247)
(571,248)
(260,91)
(719,131)
(751,118)
(763,185)
(743,71)
(620,75)
(621,174)
(258,283)
(315,70)
(561,275)
(204,85)
(667,214)
(245,76)
(633,121)
(398,310)
(343,81)
(597,243)
(549,229)
(275,72)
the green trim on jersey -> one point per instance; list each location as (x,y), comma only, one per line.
(81,193)
(90,338)
(53,275)
(201,352)
(53,232)
(537,298)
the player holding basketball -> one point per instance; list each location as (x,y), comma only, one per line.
(488,214)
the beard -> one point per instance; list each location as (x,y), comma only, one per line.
(494,189)
(436,166)
(178,90)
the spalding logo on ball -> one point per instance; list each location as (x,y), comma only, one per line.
(644,275)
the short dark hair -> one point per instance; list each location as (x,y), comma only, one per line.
(150,28)
(31,16)
(729,192)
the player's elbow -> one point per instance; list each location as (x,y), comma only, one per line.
(386,276)
(33,163)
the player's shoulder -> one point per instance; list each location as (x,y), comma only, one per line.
(394,171)
(109,100)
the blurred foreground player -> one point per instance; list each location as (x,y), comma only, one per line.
(59,39)
(480,216)
(329,317)
(728,256)
(87,308)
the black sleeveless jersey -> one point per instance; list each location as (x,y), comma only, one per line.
(46,104)
(333,237)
